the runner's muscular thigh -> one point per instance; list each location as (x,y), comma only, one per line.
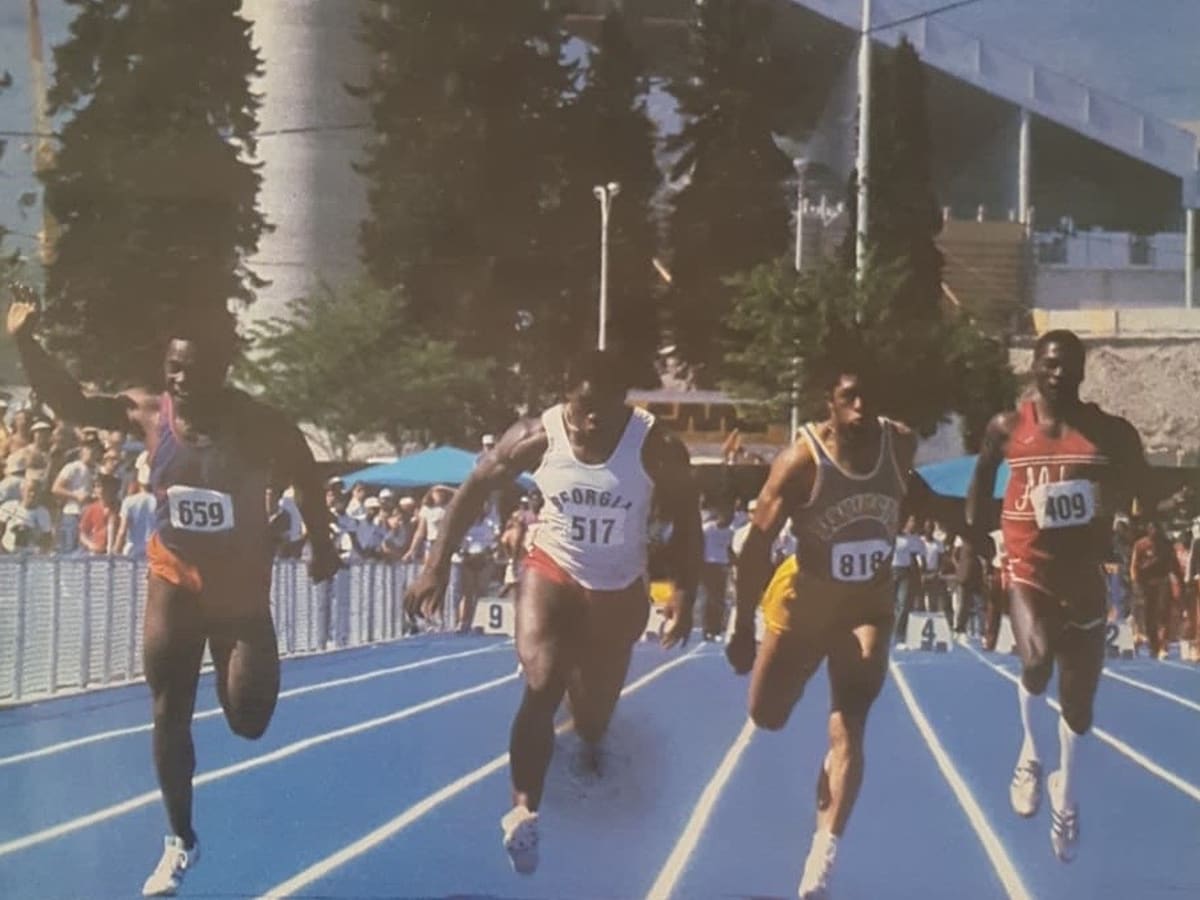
(549,621)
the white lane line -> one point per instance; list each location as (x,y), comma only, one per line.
(681,853)
(376,837)
(216,711)
(119,809)
(1112,740)
(1195,670)
(1151,689)
(999,857)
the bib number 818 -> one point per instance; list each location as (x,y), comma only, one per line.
(859,560)
(859,566)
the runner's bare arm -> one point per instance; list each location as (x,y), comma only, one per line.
(667,461)
(980,506)
(56,387)
(918,498)
(1137,475)
(790,479)
(519,450)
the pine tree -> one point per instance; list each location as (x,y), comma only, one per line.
(731,211)
(465,174)
(610,137)
(153,186)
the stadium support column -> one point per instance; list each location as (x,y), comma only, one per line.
(1024,158)
(1189,261)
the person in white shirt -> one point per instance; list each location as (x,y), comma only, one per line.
(136,520)
(906,575)
(714,576)
(785,544)
(371,529)
(25,523)
(356,506)
(294,537)
(740,532)
(583,602)
(73,488)
(475,555)
(429,522)
(933,588)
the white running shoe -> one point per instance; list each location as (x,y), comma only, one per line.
(1064,821)
(175,862)
(818,869)
(1025,791)
(520,828)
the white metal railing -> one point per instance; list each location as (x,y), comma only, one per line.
(74,622)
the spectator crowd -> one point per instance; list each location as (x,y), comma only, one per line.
(71,490)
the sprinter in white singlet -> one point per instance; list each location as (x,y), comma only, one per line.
(583,600)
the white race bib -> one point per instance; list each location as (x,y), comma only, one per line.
(859,560)
(1063,504)
(198,509)
(599,528)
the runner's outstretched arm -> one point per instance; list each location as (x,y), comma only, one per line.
(54,385)
(300,471)
(754,567)
(519,450)
(980,507)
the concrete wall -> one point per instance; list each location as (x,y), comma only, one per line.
(1063,287)
(1149,322)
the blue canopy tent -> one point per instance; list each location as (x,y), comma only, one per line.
(951,477)
(441,465)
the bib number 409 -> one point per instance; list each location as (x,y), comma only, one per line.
(1064,504)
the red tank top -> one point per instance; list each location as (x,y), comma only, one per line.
(1054,508)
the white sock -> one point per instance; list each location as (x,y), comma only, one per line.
(823,843)
(1025,702)
(1068,742)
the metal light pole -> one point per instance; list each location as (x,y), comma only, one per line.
(801,165)
(604,193)
(863,163)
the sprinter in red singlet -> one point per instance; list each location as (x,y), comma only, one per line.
(213,452)
(841,484)
(583,599)
(1073,467)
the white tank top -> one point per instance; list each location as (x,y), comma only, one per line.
(594,522)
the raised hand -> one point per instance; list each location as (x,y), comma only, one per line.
(22,311)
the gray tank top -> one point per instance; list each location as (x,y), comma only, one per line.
(847,529)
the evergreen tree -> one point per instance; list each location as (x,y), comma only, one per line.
(610,137)
(465,174)
(152,187)
(732,210)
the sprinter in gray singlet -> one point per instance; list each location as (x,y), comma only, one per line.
(841,483)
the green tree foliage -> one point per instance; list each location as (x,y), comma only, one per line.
(731,211)
(152,187)
(796,329)
(465,176)
(339,359)
(610,137)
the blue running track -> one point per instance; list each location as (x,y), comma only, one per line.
(384,774)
